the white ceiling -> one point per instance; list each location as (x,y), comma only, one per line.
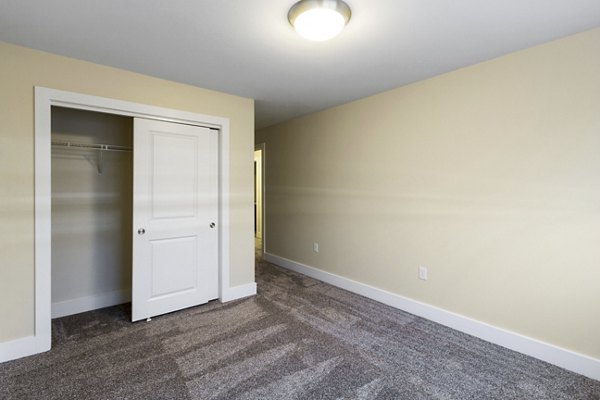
(247,48)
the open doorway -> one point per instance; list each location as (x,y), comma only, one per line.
(259,198)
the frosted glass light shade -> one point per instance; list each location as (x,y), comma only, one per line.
(319,20)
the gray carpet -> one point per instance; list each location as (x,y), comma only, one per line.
(298,339)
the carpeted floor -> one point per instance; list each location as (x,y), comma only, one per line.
(297,339)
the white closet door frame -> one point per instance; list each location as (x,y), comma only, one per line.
(45,98)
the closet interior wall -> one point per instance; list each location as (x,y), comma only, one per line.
(91,212)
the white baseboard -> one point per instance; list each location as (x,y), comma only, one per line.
(239,292)
(552,354)
(31,345)
(17,348)
(22,347)
(88,303)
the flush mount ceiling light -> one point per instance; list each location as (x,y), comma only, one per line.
(319,20)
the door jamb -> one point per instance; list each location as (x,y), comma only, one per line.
(45,98)
(262,147)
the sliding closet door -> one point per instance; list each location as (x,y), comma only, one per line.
(175,212)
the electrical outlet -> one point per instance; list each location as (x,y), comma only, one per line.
(316,247)
(423,273)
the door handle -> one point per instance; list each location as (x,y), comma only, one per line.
(212,225)
(141,231)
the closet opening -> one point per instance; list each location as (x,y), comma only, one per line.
(91,210)
(177,239)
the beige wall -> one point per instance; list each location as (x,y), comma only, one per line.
(489,176)
(20,70)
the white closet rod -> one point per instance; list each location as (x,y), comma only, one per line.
(90,146)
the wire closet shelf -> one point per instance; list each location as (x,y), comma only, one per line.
(90,146)
(99,164)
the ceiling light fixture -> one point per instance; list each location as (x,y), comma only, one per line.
(319,20)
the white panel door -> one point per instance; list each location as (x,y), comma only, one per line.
(175,212)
